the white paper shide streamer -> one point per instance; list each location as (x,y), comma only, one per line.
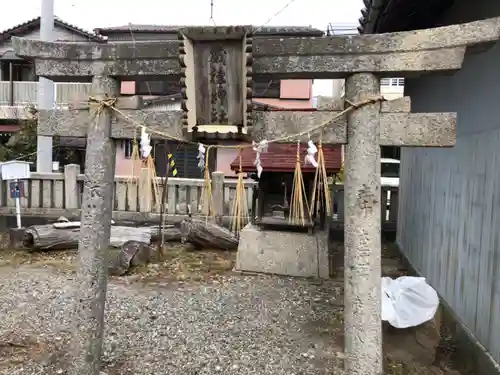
(311,154)
(201,156)
(259,148)
(145,143)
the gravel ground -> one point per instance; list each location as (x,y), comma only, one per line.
(229,325)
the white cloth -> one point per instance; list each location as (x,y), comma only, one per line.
(408,301)
(259,148)
(311,154)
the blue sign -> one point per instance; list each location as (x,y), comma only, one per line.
(16,190)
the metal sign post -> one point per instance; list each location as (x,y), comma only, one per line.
(16,191)
(14,171)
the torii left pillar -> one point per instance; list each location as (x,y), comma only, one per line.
(95,231)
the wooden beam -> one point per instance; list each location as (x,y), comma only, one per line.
(402,53)
(341,66)
(457,35)
(85,51)
(62,60)
(396,54)
(75,123)
(68,70)
(396,129)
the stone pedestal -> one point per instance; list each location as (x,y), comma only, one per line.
(282,253)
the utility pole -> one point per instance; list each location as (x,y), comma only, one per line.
(46,97)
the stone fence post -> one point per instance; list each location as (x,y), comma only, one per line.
(218,195)
(71,190)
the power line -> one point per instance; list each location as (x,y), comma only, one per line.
(212,12)
(274,16)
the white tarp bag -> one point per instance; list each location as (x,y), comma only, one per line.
(408,301)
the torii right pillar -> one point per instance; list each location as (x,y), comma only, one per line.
(362,228)
(362,60)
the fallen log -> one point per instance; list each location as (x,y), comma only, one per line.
(207,234)
(50,237)
(171,233)
(45,237)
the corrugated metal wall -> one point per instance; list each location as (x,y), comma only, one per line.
(449,216)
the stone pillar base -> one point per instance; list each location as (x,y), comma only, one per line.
(282,253)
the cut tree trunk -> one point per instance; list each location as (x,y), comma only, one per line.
(48,237)
(45,237)
(207,234)
(171,233)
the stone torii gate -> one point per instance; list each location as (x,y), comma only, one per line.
(215,66)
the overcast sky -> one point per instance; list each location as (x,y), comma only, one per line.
(89,14)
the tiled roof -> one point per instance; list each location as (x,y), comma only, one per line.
(297,31)
(35,23)
(281,157)
(382,16)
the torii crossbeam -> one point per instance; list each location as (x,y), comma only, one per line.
(234,56)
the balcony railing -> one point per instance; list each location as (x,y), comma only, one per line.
(26,93)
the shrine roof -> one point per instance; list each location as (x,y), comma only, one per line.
(384,16)
(293,31)
(281,157)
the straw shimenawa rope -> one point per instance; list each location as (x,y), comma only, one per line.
(207,204)
(290,137)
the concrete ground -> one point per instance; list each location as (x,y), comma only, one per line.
(186,314)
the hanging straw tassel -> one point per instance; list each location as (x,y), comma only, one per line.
(320,186)
(153,178)
(240,215)
(150,183)
(149,180)
(206,195)
(299,199)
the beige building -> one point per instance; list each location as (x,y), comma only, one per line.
(390,88)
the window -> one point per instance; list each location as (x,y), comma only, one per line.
(21,71)
(266,89)
(185,157)
(127,148)
(150,88)
(390,170)
(158,87)
(392,81)
(390,152)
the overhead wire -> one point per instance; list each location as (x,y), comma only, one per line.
(274,15)
(212,12)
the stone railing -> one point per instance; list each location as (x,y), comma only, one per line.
(51,195)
